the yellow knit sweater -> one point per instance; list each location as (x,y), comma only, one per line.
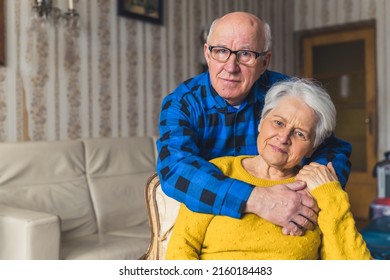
(204,236)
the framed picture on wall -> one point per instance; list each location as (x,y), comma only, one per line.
(2,33)
(147,10)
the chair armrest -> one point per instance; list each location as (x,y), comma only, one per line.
(27,234)
(162,212)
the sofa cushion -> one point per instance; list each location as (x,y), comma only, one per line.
(117,170)
(141,230)
(104,247)
(48,177)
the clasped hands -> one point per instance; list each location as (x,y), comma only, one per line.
(291,206)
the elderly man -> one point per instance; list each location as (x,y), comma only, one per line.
(217,114)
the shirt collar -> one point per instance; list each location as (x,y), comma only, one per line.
(212,98)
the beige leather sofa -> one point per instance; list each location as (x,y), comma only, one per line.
(76,199)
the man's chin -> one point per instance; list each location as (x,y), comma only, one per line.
(232,97)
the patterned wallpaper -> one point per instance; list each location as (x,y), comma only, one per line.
(108,77)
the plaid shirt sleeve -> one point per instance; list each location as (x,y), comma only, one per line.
(184,174)
(338,152)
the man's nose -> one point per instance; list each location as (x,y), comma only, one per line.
(232,64)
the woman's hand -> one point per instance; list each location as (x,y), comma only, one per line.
(316,174)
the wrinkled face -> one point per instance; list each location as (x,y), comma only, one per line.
(231,80)
(286,133)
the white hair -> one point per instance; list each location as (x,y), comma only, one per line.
(311,93)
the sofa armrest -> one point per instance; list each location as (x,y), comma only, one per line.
(27,234)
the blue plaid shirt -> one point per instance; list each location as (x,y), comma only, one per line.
(196,125)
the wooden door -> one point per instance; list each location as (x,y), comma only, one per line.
(344,62)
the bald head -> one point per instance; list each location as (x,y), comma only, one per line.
(252,25)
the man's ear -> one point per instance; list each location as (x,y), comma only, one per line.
(206,53)
(267,59)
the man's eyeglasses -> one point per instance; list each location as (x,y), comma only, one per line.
(244,57)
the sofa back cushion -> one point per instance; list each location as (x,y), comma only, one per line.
(48,177)
(117,170)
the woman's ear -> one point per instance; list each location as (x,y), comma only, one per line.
(263,116)
(310,153)
(260,124)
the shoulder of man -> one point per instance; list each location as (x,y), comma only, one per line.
(193,93)
(191,84)
(270,77)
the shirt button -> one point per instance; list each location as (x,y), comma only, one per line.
(238,149)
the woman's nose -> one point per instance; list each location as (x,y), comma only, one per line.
(284,135)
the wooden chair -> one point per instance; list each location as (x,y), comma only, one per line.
(162,212)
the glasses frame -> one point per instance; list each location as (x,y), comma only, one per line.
(257,54)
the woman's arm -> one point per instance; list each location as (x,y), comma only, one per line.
(340,238)
(187,235)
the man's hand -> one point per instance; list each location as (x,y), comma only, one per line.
(289,206)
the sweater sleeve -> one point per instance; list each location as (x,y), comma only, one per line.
(187,235)
(340,238)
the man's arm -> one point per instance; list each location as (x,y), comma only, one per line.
(336,151)
(184,174)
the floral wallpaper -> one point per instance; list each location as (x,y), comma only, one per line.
(72,67)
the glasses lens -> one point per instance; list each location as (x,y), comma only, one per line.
(245,57)
(220,54)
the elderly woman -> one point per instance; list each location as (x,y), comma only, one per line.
(297,117)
